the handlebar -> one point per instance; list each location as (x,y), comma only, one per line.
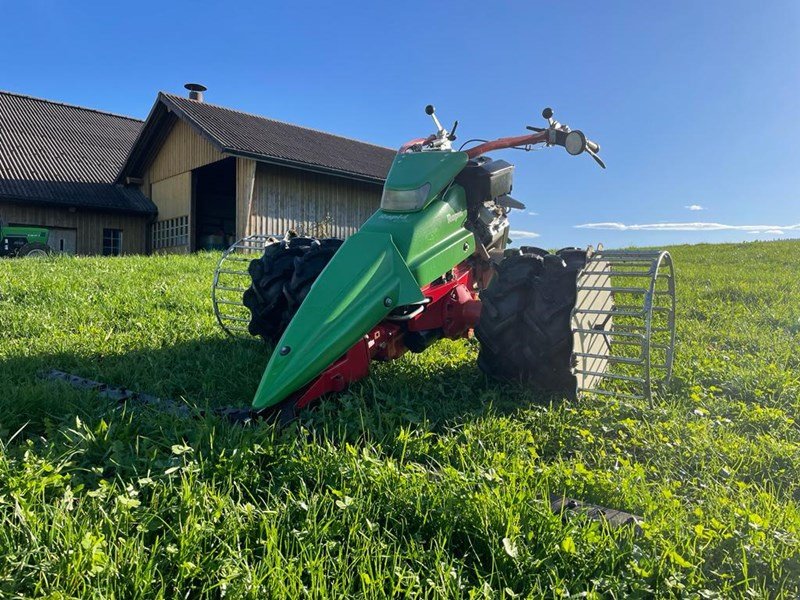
(509,142)
(556,134)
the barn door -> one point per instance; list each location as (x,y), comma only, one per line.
(63,240)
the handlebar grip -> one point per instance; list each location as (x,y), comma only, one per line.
(593,146)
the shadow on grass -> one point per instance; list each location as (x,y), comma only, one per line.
(213,372)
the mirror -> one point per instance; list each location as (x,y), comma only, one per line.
(575,142)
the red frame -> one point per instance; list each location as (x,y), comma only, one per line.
(453,307)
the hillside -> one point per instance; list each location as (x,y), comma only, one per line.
(426,480)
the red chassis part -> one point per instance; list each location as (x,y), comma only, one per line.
(452,307)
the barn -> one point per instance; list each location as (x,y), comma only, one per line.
(58,164)
(217,174)
(192,176)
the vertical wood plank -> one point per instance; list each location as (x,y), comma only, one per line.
(245,186)
(286,198)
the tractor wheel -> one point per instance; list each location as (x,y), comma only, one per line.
(524,329)
(269,311)
(35,250)
(306,270)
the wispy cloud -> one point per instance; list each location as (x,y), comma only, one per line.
(694,207)
(533,214)
(757,229)
(523,234)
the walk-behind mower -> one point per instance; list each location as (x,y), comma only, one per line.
(433,263)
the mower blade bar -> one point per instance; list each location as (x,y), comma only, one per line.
(119,395)
(124,396)
(567,507)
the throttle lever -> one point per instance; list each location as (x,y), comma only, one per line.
(452,136)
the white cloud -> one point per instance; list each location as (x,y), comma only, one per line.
(695,207)
(757,229)
(533,214)
(523,234)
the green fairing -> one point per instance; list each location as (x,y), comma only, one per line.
(348,299)
(431,241)
(412,170)
(391,256)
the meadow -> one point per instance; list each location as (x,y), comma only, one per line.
(425,480)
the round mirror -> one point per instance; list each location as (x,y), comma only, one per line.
(575,143)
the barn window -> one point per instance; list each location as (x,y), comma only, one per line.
(171,232)
(112,242)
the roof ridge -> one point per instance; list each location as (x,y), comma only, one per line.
(68,105)
(249,114)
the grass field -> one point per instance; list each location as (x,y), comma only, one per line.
(425,480)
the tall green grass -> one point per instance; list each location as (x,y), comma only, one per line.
(426,480)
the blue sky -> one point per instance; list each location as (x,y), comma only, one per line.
(693,103)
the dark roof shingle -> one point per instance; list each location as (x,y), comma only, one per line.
(243,134)
(53,153)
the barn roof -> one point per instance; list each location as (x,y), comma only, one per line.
(59,154)
(267,140)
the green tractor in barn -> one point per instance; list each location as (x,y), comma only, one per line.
(433,263)
(23,241)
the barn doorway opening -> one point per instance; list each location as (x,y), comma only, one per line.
(215,205)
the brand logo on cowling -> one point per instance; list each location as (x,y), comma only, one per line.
(456,216)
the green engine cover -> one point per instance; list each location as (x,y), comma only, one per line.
(381,267)
(413,170)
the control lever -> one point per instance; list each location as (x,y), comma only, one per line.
(547,114)
(596,158)
(431,111)
(452,136)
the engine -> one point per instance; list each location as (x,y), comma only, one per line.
(487,184)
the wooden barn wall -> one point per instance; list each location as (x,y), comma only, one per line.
(89,225)
(245,188)
(183,150)
(173,196)
(168,179)
(286,198)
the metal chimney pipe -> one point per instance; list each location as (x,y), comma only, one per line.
(195,91)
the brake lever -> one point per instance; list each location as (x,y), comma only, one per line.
(536,129)
(596,158)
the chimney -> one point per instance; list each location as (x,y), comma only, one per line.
(195,91)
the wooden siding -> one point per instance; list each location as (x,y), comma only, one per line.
(286,198)
(183,150)
(173,196)
(168,179)
(245,189)
(89,225)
